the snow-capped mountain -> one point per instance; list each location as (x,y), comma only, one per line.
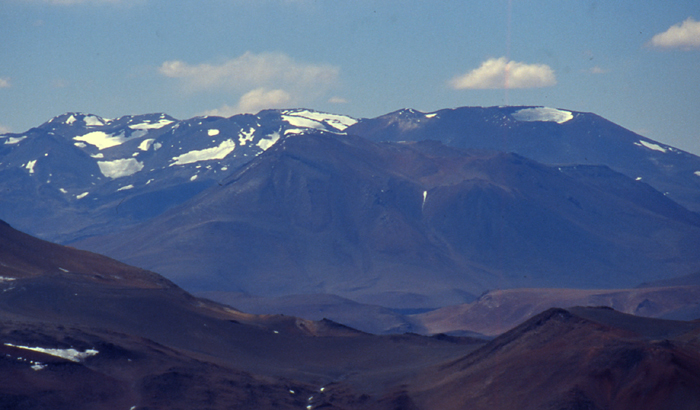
(81,175)
(120,171)
(411,225)
(551,136)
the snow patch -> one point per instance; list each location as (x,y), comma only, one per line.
(71,120)
(651,146)
(6,279)
(98,155)
(430,115)
(697,173)
(212,132)
(30,166)
(543,114)
(207,154)
(315,119)
(93,121)
(80,144)
(244,137)
(63,191)
(151,125)
(14,140)
(125,187)
(268,141)
(81,196)
(193,177)
(302,122)
(101,139)
(68,354)
(120,167)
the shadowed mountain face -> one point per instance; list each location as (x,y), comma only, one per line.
(412,225)
(107,336)
(82,331)
(571,359)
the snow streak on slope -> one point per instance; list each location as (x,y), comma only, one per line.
(651,146)
(219,152)
(68,354)
(151,126)
(14,140)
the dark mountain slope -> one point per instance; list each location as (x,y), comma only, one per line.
(365,317)
(106,335)
(75,340)
(571,359)
(411,225)
(25,257)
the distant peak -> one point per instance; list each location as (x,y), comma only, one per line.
(79,118)
(305,118)
(408,112)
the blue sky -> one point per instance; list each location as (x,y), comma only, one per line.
(636,63)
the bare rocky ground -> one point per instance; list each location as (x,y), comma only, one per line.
(81,331)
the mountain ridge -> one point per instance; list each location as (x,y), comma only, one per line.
(126,170)
(341,209)
(355,208)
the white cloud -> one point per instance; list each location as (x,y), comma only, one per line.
(4,82)
(59,83)
(337,100)
(254,101)
(261,81)
(685,35)
(597,70)
(260,98)
(269,70)
(223,111)
(499,73)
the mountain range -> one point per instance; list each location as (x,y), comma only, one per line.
(409,211)
(372,222)
(80,174)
